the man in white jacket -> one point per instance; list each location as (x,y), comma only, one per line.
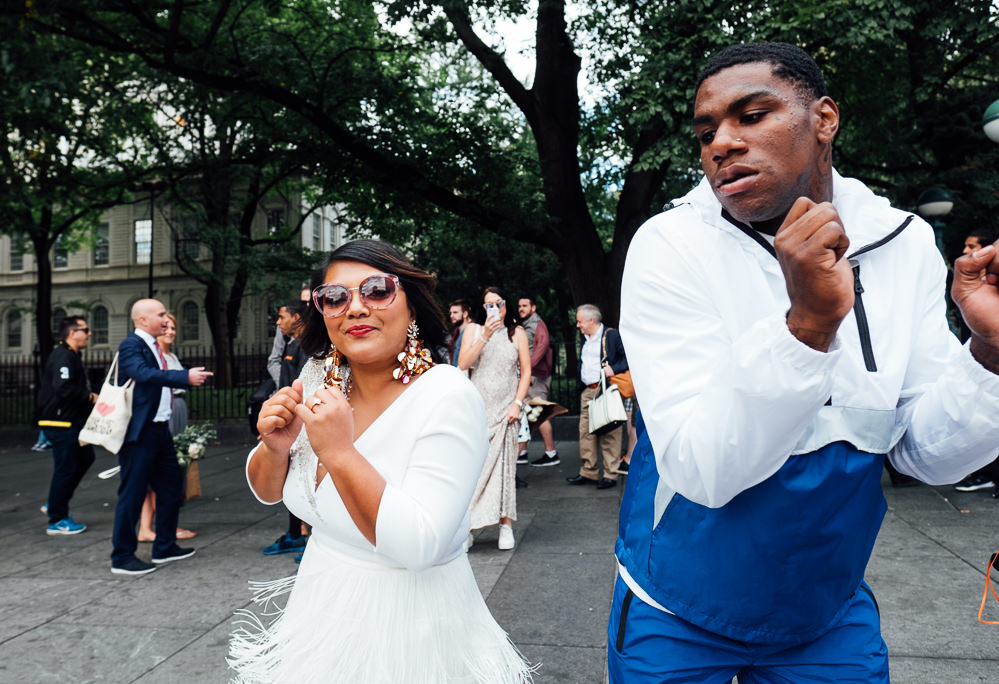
(786,332)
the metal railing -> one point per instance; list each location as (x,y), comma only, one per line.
(19,383)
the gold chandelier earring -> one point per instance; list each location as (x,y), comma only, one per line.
(337,375)
(414,359)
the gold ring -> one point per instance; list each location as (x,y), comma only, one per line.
(314,402)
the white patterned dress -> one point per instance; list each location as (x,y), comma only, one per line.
(406,610)
(495,375)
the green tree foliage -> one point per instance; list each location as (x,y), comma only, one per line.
(437,138)
(224,160)
(68,120)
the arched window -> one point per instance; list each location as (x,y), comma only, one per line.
(99,325)
(58,314)
(13,330)
(189,322)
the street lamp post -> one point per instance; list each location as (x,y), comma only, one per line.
(990,122)
(150,186)
(152,209)
(933,204)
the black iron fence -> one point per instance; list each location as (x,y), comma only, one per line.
(19,383)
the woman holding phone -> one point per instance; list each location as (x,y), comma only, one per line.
(494,351)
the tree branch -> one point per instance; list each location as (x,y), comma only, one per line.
(457,14)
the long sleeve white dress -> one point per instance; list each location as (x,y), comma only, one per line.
(408,609)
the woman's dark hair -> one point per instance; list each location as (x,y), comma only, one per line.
(416,283)
(508,320)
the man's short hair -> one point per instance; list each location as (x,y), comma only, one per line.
(295,307)
(985,236)
(789,62)
(68,325)
(530,300)
(590,311)
(463,303)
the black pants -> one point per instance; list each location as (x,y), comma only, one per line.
(71,463)
(151,461)
(294,526)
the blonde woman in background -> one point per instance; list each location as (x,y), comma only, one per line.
(178,423)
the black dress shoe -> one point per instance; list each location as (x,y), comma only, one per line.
(174,553)
(132,566)
(580,480)
(606,483)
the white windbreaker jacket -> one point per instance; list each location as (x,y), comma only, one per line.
(728,394)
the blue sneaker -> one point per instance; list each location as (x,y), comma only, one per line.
(65,526)
(298,558)
(286,544)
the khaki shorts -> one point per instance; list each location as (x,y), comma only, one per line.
(539,388)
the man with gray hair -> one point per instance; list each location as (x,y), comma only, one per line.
(602,354)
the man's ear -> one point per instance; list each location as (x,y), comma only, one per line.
(827,115)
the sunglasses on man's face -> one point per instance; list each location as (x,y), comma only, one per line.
(376,292)
(83,330)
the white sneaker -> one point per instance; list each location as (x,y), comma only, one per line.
(505,538)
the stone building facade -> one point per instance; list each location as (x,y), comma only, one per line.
(132,249)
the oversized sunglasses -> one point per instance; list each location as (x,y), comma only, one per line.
(376,292)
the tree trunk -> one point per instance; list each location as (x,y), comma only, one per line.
(218,324)
(42,243)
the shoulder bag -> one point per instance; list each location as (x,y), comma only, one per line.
(108,421)
(606,409)
(620,380)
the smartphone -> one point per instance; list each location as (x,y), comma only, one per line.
(492,311)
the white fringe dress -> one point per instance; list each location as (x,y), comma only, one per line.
(406,610)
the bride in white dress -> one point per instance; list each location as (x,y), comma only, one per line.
(384,471)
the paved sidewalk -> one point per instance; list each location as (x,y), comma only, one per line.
(65,618)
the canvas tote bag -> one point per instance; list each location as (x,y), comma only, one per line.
(108,421)
(606,409)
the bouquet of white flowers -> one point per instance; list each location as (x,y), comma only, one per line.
(539,410)
(191,443)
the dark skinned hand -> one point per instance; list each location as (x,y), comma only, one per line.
(976,292)
(811,245)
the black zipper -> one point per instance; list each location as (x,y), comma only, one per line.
(862,325)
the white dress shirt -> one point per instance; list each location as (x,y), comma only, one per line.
(164,410)
(590,355)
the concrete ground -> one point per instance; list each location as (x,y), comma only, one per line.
(65,618)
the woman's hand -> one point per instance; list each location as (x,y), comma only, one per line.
(608,371)
(329,423)
(513,414)
(492,324)
(278,422)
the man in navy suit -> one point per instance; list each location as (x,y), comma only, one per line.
(602,354)
(147,457)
